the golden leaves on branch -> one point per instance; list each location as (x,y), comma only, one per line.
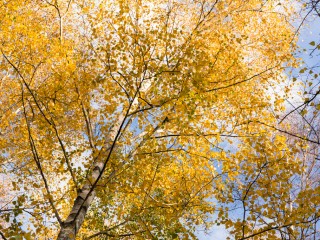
(187,81)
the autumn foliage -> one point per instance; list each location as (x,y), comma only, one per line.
(150,120)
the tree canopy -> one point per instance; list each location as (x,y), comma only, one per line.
(134,119)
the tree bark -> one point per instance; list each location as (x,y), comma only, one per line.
(70,227)
(85,196)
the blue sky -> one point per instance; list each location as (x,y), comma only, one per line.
(308,32)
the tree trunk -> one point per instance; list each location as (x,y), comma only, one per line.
(85,196)
(71,226)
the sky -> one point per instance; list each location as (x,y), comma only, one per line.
(309,32)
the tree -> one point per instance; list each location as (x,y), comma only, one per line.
(117,117)
(306,77)
(275,195)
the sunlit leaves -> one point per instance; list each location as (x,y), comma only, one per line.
(170,97)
